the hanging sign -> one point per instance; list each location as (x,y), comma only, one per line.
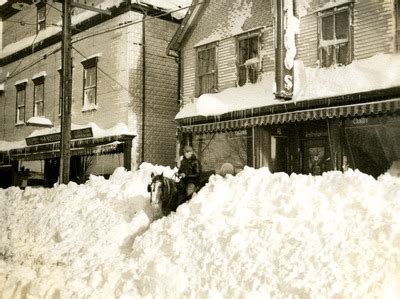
(55,137)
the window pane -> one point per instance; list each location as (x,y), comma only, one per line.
(90,96)
(242,75)
(327,56)
(39,92)
(41,13)
(342,25)
(253,44)
(39,109)
(21,114)
(327,28)
(342,54)
(90,77)
(243,51)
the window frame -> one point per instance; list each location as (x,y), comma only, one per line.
(36,83)
(348,7)
(89,64)
(248,36)
(21,87)
(40,22)
(214,72)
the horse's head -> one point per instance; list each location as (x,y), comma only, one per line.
(163,192)
(156,188)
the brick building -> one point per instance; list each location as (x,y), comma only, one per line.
(344,111)
(124,89)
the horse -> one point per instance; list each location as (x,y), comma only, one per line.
(165,193)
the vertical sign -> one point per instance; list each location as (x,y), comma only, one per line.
(284,44)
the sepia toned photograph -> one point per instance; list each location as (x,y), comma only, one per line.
(200,149)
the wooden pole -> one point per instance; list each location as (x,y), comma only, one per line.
(65,153)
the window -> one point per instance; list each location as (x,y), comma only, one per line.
(89,83)
(38,97)
(206,69)
(40,16)
(335,37)
(397,7)
(248,59)
(21,99)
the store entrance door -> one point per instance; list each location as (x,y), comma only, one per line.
(316,156)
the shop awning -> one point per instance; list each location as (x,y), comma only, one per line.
(80,147)
(370,108)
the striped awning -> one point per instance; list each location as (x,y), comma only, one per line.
(371,108)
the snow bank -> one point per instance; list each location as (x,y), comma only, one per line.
(256,235)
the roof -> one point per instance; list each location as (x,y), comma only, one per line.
(187,25)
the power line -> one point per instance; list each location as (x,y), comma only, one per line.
(32,46)
(130,23)
(106,74)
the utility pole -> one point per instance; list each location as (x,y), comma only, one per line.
(66,62)
(65,146)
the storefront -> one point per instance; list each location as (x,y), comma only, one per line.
(364,136)
(38,163)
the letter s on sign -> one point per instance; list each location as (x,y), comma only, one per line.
(288,82)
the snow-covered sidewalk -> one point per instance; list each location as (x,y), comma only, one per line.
(255,235)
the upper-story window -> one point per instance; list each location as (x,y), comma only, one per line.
(248,58)
(38,97)
(90,83)
(335,36)
(20,102)
(207,69)
(40,16)
(397,7)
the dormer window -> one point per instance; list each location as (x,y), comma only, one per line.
(40,16)
(335,36)
(248,58)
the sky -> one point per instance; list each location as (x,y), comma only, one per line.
(253,235)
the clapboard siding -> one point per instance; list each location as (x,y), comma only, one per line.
(227,63)
(189,72)
(267,50)
(307,40)
(373,28)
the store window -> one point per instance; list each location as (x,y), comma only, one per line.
(372,143)
(38,97)
(40,16)
(20,103)
(207,69)
(216,149)
(335,37)
(90,84)
(248,58)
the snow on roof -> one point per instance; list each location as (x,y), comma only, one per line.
(118,129)
(76,19)
(168,5)
(378,72)
(21,81)
(238,14)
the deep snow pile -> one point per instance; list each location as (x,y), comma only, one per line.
(254,235)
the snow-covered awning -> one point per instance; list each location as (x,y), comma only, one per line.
(362,109)
(79,147)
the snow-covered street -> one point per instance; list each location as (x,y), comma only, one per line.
(255,235)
